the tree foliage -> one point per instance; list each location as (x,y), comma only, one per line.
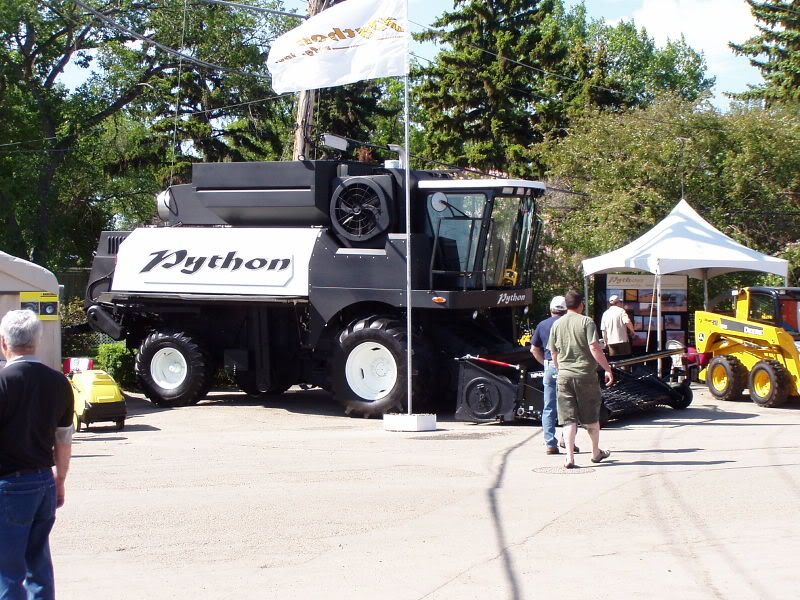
(740,171)
(514,73)
(56,176)
(485,104)
(775,51)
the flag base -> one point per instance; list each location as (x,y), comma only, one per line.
(406,422)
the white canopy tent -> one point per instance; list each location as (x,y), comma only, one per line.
(26,283)
(685,244)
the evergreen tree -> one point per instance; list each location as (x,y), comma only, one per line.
(487,95)
(775,51)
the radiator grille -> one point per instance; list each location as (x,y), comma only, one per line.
(113,242)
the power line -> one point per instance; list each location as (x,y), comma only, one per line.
(269,11)
(522,64)
(114,25)
(52,137)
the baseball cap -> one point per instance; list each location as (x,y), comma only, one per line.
(558,304)
(614,298)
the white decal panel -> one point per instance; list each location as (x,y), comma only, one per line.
(206,260)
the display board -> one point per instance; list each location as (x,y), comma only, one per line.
(639,295)
(44,304)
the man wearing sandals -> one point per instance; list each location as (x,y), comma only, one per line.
(576,353)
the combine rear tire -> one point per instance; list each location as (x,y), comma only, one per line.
(726,377)
(770,383)
(368,371)
(172,368)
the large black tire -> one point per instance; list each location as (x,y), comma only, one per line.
(682,397)
(726,377)
(173,369)
(368,371)
(770,383)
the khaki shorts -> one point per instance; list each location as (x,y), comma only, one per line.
(579,399)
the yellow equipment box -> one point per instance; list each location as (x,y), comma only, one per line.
(97,398)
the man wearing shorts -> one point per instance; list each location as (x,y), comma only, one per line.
(576,353)
(617,329)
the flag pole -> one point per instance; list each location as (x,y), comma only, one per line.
(407,166)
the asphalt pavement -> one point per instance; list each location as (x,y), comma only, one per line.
(288,498)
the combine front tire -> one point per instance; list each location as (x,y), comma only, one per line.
(369,367)
(770,383)
(172,369)
(726,377)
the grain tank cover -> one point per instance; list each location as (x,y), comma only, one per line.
(220,260)
(253,194)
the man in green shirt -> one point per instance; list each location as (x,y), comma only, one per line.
(576,353)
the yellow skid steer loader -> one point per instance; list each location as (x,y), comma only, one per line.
(753,346)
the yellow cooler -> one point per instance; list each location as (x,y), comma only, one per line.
(97,398)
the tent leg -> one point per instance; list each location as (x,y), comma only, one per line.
(658,320)
(586,294)
(705,289)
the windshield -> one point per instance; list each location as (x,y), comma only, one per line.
(457,220)
(511,238)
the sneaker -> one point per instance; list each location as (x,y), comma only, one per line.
(551,450)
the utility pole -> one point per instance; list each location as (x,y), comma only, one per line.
(307,99)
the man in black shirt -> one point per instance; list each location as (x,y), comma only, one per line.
(36,406)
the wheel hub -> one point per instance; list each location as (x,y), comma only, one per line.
(719,379)
(371,370)
(762,384)
(168,368)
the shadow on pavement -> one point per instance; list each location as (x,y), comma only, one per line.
(665,463)
(502,543)
(693,415)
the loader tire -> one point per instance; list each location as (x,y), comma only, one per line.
(726,377)
(172,368)
(368,371)
(770,383)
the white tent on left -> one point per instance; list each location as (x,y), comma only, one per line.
(684,243)
(24,284)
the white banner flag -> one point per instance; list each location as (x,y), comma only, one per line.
(351,41)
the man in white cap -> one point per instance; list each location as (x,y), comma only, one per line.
(539,343)
(617,329)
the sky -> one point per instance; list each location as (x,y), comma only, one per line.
(707,25)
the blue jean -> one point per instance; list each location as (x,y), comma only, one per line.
(550,410)
(27,514)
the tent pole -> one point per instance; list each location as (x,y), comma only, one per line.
(586,293)
(705,289)
(658,320)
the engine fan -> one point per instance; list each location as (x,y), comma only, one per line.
(359,209)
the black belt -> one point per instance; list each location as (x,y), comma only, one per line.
(22,472)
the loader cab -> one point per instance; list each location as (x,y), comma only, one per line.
(778,307)
(484,232)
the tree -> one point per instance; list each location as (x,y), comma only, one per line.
(642,70)
(487,96)
(775,51)
(54,132)
(738,170)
